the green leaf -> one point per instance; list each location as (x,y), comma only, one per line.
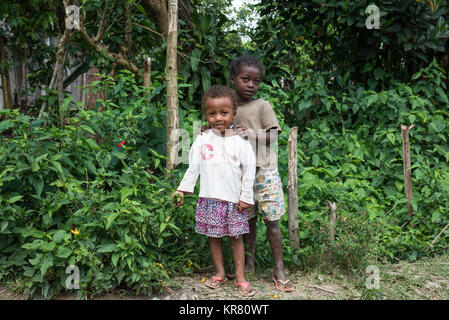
(93,144)
(126,191)
(87,128)
(140,8)
(63,252)
(4,125)
(38,186)
(3,225)
(114,258)
(111,247)
(47,246)
(36,260)
(315,160)
(47,262)
(14,199)
(41,157)
(205,78)
(59,236)
(195,60)
(111,219)
(57,166)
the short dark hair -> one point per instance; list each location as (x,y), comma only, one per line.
(237,63)
(218,91)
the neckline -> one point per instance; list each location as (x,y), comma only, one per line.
(212,131)
(248,103)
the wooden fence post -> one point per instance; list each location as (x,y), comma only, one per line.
(332,219)
(292,187)
(408,190)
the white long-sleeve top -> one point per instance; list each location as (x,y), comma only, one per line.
(227,167)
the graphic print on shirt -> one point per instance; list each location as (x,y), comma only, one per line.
(207,152)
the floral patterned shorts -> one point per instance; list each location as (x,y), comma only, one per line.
(268,195)
(218,218)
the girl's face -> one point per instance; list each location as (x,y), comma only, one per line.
(246,83)
(219,113)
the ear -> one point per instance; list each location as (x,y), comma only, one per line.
(231,78)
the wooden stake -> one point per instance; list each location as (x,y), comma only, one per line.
(333,217)
(292,187)
(147,73)
(408,190)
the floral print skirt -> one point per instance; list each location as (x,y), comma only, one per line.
(218,218)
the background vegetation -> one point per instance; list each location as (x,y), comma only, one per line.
(70,195)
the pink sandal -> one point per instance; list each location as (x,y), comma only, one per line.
(215,282)
(245,288)
(283,286)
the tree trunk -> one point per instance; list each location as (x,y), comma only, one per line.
(57,78)
(408,189)
(293,226)
(159,9)
(7,97)
(172,86)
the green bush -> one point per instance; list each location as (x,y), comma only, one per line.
(72,196)
(350,152)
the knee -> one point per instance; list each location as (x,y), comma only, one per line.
(273,226)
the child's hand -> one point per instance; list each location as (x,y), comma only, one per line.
(242,206)
(178,198)
(241,131)
(205,128)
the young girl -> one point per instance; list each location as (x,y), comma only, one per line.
(258,117)
(226,164)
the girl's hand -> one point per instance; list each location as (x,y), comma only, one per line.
(205,128)
(242,206)
(241,131)
(178,198)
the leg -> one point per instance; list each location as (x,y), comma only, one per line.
(250,245)
(275,239)
(216,253)
(238,253)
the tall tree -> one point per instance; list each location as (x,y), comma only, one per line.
(172,85)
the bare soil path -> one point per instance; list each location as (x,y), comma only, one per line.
(425,279)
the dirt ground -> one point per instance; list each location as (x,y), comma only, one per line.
(422,280)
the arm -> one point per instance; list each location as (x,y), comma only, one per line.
(264,138)
(188,182)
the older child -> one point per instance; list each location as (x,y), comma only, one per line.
(226,164)
(258,117)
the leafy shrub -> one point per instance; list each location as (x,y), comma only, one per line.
(73,196)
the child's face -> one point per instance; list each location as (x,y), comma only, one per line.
(247,82)
(219,113)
